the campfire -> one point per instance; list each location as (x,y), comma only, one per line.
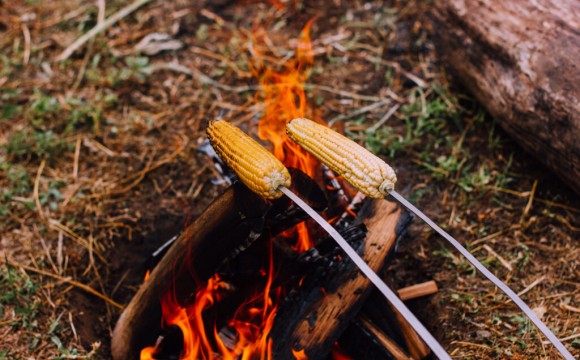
(252,278)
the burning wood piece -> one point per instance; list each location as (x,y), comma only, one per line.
(233,218)
(315,322)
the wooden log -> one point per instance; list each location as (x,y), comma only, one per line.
(234,219)
(324,315)
(519,59)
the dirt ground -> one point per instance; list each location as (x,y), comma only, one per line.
(99,163)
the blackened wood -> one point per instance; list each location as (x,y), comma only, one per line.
(519,58)
(326,311)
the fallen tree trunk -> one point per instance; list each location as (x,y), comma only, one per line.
(520,59)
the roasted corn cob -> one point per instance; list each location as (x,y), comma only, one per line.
(365,171)
(255,166)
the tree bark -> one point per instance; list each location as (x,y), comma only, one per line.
(521,60)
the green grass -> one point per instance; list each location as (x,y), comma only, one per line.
(22,308)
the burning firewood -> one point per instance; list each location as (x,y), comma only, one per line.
(235,217)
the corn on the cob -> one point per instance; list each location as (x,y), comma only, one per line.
(255,166)
(365,171)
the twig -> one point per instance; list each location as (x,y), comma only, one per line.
(530,201)
(360,111)
(100,27)
(567,338)
(502,261)
(35,191)
(76,159)
(495,234)
(80,240)
(527,193)
(529,287)
(342,92)
(68,280)
(194,73)
(26,33)
(101,15)
(571,308)
(385,118)
(231,64)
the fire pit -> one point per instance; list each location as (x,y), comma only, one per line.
(250,278)
(233,283)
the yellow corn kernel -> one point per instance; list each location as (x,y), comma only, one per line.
(365,171)
(255,166)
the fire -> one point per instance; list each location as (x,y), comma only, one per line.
(251,323)
(284,98)
(299,355)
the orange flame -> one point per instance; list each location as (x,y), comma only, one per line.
(251,323)
(284,98)
(299,355)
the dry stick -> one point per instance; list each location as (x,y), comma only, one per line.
(360,111)
(385,118)
(70,281)
(388,343)
(100,27)
(530,201)
(502,261)
(35,191)
(527,193)
(26,33)
(76,159)
(529,287)
(342,92)
(567,338)
(418,290)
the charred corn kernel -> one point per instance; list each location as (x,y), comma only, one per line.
(255,166)
(365,171)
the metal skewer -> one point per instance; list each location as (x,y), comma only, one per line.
(372,276)
(479,266)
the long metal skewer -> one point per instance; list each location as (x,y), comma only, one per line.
(372,276)
(479,266)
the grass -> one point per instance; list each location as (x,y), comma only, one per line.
(22,308)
